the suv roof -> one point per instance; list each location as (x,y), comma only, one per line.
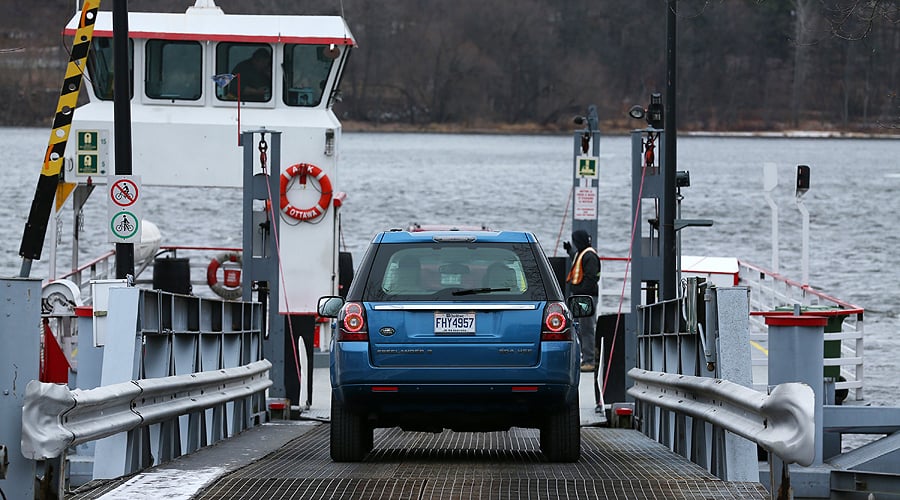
(455,236)
(416,227)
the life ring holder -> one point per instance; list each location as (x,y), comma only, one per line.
(301,171)
(230,287)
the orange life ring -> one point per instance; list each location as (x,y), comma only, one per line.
(302,170)
(230,287)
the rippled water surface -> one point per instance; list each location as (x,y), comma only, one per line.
(523,182)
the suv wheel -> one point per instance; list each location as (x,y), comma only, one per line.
(561,435)
(351,437)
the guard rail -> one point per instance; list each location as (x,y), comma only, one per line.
(781,422)
(55,417)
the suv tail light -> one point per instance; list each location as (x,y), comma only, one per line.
(556,324)
(352,326)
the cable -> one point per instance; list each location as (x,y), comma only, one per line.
(262,158)
(612,347)
(561,226)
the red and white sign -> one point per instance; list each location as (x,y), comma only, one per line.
(586,203)
(123,191)
(123,209)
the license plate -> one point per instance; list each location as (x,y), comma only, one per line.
(454,322)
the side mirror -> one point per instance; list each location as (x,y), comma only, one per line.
(330,306)
(581,305)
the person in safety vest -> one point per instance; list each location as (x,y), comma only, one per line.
(583,279)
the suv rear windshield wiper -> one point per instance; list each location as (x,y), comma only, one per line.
(473,291)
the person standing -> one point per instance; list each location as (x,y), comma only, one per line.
(255,77)
(583,279)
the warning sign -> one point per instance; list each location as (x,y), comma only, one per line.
(123,208)
(585,203)
(123,192)
(586,166)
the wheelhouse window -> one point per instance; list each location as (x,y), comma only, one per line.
(100,67)
(174,70)
(306,70)
(251,66)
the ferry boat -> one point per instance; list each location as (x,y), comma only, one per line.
(200,78)
(187,71)
(194,92)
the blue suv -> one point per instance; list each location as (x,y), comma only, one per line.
(460,330)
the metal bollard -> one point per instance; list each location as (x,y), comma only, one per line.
(796,352)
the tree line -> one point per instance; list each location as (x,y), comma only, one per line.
(742,64)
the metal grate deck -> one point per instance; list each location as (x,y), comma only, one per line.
(615,463)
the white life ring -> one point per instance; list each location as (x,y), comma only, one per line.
(230,287)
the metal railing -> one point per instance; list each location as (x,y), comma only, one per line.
(158,375)
(55,417)
(693,386)
(780,422)
(843,336)
(103,267)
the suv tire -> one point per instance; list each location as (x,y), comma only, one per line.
(561,435)
(351,437)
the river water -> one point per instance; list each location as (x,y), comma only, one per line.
(523,182)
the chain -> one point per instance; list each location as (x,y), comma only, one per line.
(263,148)
(649,156)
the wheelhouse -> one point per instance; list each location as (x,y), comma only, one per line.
(189,71)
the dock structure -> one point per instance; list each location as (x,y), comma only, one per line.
(289,459)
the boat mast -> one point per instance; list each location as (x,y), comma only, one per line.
(122,120)
(669,285)
(51,171)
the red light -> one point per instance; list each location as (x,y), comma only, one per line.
(556,323)
(353,323)
(624,412)
(379,388)
(525,388)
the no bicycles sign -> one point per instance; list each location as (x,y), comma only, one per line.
(123,208)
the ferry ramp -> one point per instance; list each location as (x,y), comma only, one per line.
(289,459)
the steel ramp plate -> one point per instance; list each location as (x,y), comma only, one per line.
(615,463)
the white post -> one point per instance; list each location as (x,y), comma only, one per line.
(804,256)
(770,182)
(802,188)
(54,236)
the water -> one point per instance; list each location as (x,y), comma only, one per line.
(523,182)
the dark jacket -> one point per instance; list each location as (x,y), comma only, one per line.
(590,265)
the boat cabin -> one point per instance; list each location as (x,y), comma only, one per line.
(200,78)
(189,71)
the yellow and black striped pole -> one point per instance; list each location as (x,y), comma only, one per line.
(41,206)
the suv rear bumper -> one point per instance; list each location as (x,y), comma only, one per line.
(558,364)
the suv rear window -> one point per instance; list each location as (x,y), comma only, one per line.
(454,272)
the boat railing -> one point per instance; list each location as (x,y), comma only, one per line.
(769,291)
(844,344)
(103,267)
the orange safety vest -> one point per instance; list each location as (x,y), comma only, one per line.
(576,274)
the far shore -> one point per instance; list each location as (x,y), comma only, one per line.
(612,130)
